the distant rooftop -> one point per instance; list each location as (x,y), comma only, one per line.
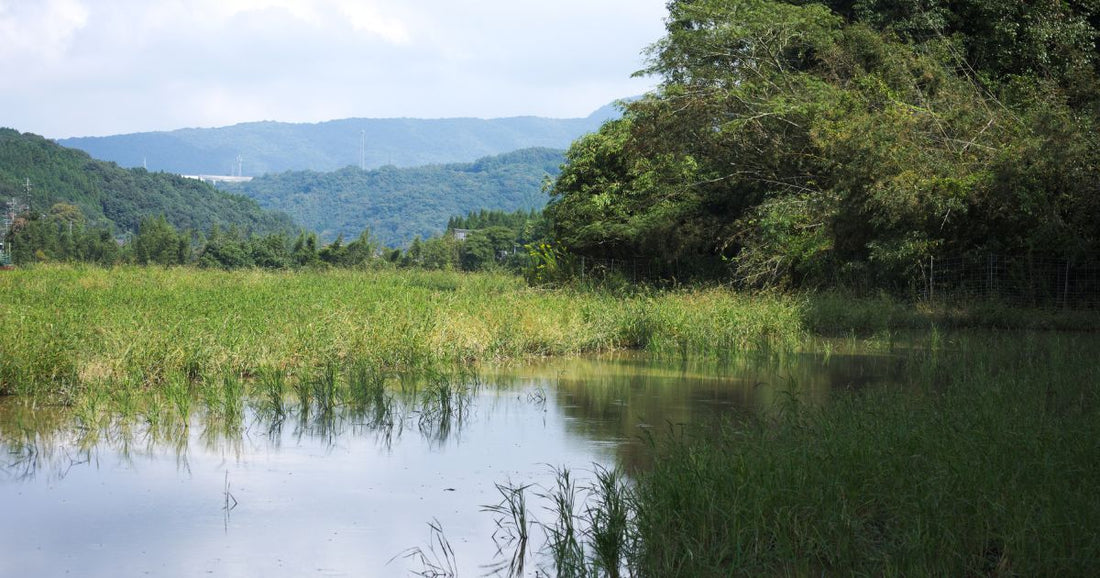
(218,178)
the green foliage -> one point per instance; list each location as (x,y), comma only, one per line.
(801,146)
(62,235)
(114,198)
(158,243)
(79,329)
(228,250)
(440,253)
(399,204)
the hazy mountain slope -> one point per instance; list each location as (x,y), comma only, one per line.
(111,195)
(400,203)
(269,147)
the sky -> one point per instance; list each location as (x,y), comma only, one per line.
(101,67)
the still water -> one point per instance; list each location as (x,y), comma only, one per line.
(348,494)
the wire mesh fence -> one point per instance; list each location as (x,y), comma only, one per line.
(1022,281)
(639,270)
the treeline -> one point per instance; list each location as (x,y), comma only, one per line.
(41,174)
(489,240)
(792,143)
(399,204)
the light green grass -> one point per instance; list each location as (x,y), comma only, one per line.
(70,330)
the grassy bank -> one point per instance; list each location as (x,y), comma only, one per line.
(73,329)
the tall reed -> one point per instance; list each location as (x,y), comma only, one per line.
(72,329)
(982,465)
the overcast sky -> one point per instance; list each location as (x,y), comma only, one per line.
(100,67)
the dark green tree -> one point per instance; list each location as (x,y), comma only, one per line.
(159,243)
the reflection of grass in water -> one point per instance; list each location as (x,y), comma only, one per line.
(512,523)
(323,404)
(271,397)
(563,538)
(367,394)
(438,561)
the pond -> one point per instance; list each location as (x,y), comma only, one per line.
(353,493)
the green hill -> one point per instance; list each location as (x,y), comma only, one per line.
(119,198)
(270,147)
(397,204)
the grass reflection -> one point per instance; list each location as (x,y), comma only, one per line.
(322,405)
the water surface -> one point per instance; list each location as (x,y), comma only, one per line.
(343,493)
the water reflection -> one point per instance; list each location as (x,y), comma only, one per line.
(342,469)
(620,400)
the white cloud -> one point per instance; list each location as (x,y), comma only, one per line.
(365,17)
(39,30)
(112,66)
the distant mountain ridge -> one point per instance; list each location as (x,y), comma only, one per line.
(397,204)
(274,147)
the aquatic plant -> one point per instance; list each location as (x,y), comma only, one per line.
(438,561)
(511,535)
(977,467)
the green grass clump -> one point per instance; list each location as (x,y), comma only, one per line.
(985,465)
(70,330)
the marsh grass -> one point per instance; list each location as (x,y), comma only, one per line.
(609,520)
(72,330)
(438,560)
(271,398)
(979,467)
(836,313)
(982,462)
(563,536)
(512,529)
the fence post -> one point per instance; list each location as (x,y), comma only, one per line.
(989,290)
(931,278)
(1065,290)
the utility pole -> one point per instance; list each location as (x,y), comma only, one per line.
(363,150)
(240,166)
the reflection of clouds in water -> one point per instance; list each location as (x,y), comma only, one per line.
(344,488)
(314,494)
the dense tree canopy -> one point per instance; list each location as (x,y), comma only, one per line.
(115,198)
(804,143)
(398,204)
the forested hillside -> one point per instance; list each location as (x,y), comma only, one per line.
(397,204)
(807,144)
(270,147)
(116,198)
